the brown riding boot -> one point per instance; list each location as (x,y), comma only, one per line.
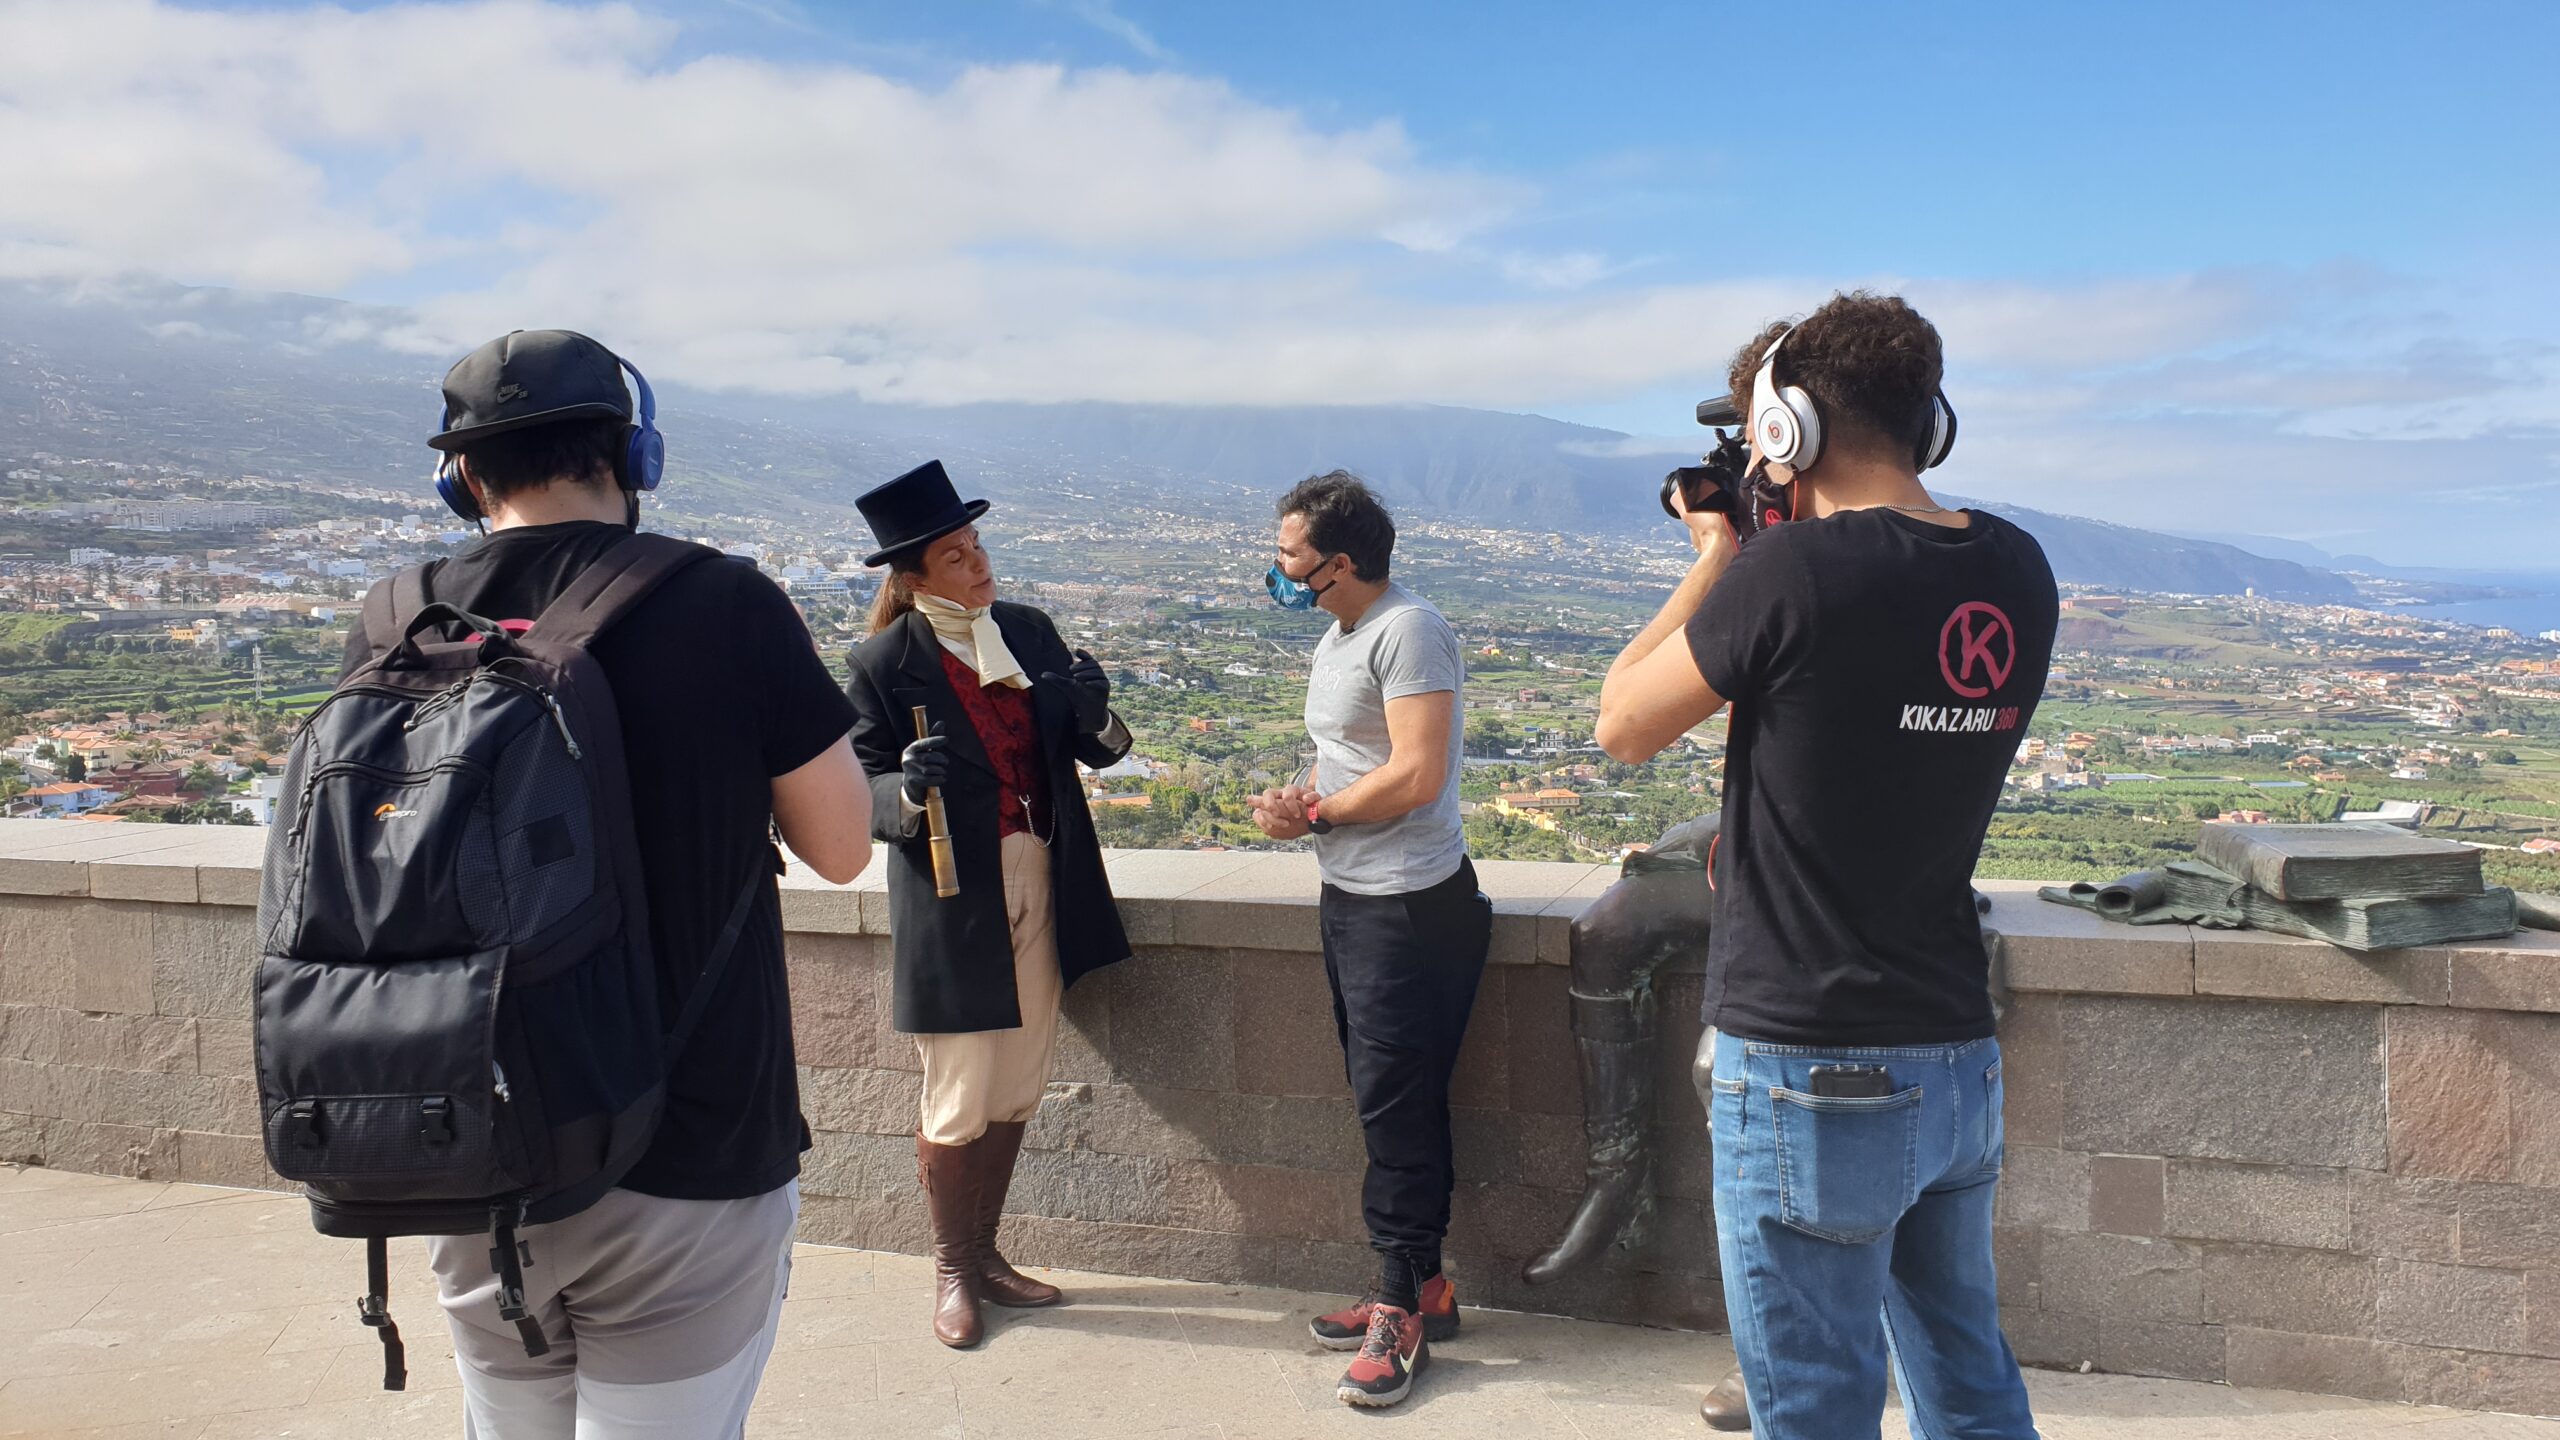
(1726,1407)
(998,1282)
(949,1173)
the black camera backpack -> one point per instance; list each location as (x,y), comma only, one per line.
(457,1023)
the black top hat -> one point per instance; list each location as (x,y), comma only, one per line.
(916,507)
(530,377)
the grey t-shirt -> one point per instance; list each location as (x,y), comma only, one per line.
(1400,647)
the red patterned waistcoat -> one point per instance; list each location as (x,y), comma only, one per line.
(1009,728)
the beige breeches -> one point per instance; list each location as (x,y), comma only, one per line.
(977,1078)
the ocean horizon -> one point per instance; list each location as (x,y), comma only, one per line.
(2527,614)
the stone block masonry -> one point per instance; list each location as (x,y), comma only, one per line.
(2313,1172)
(2231,1157)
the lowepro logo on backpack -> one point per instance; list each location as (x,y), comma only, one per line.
(457,1025)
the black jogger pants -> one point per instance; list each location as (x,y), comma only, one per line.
(1404,970)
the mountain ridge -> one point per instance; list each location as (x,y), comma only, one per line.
(226,378)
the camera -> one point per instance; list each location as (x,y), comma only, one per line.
(1717,482)
(1726,480)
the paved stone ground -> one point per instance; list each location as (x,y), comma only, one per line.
(130,1308)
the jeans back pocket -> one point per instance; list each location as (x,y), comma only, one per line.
(1847,1168)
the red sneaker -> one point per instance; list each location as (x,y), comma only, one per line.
(1347,1329)
(1392,1354)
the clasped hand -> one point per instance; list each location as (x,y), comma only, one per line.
(1282,810)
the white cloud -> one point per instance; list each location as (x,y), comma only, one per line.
(718,156)
(1023,232)
(1571,270)
(783,13)
(2099,324)
(1037,233)
(1635,447)
(1100,15)
(815,226)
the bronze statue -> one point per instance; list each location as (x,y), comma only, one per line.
(1660,907)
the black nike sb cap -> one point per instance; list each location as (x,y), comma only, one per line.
(526,378)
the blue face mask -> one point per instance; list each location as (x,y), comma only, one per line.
(1291,594)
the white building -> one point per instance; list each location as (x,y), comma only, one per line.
(2403,813)
(260,803)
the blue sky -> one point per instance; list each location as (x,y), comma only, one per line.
(2281,266)
(1995,140)
(1998,140)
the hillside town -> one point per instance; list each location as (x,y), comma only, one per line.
(163,627)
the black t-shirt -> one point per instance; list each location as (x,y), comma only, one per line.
(1882,672)
(719,688)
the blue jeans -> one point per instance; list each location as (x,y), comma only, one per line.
(1856,1233)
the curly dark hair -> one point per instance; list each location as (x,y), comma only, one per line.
(1343,518)
(586,451)
(1871,363)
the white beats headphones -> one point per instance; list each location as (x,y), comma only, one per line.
(1788,428)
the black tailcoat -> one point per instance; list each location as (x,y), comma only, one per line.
(954,958)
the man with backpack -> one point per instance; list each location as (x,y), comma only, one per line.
(560,853)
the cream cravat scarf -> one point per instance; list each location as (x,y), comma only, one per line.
(980,642)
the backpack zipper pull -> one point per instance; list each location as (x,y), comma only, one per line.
(302,807)
(498,1079)
(437,703)
(563,722)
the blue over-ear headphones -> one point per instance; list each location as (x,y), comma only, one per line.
(457,496)
(644,455)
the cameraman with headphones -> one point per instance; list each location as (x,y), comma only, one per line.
(659,1301)
(1883,655)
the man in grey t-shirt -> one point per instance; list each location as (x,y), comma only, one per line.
(1405,928)
(1399,647)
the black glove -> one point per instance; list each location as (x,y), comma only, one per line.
(926,763)
(1088,689)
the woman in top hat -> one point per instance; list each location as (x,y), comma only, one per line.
(979,974)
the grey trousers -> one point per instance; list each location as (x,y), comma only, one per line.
(660,1313)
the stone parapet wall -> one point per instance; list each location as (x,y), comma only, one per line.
(2231,1156)
(2276,1164)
